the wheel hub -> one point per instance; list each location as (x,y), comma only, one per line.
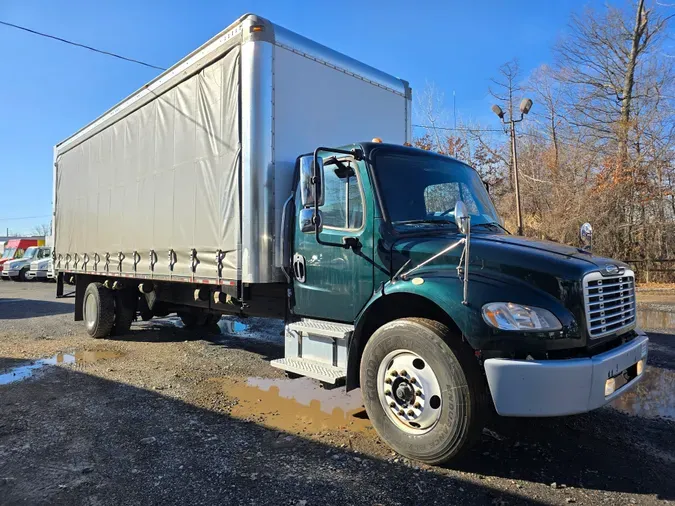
(409,391)
(404,393)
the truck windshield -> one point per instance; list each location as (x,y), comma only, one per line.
(9,253)
(424,189)
(30,252)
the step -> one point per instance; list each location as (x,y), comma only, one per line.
(322,328)
(322,372)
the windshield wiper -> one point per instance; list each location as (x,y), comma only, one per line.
(491,224)
(428,220)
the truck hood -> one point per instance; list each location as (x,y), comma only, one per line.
(17,264)
(554,268)
(39,265)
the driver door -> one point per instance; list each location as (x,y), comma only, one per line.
(332,282)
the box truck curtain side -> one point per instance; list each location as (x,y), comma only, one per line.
(186,179)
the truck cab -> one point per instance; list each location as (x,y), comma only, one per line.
(18,269)
(406,283)
(15,249)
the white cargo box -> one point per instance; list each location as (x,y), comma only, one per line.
(186,179)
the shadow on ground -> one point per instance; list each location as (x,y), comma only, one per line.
(85,440)
(16,309)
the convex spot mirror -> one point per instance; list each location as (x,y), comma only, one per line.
(461,217)
(586,235)
(308,222)
(311,191)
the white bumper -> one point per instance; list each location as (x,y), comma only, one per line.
(36,275)
(561,387)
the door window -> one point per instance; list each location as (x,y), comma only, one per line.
(343,204)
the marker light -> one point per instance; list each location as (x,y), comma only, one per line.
(610,386)
(257,28)
(377,139)
(510,316)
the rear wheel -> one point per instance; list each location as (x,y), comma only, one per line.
(423,390)
(98,310)
(194,320)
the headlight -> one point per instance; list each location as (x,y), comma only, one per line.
(509,316)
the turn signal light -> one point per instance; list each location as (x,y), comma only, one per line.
(257,28)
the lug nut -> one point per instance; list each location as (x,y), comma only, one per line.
(417,405)
(388,381)
(411,412)
(387,392)
(401,412)
(403,372)
(413,380)
(418,392)
(392,404)
(394,373)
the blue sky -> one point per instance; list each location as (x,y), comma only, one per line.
(49,90)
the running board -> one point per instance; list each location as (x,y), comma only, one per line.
(321,328)
(322,372)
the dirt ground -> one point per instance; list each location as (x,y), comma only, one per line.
(170,416)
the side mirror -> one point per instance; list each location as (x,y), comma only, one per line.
(309,222)
(461,215)
(308,185)
(586,236)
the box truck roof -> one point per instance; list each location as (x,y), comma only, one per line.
(216,47)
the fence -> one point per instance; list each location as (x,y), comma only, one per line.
(658,270)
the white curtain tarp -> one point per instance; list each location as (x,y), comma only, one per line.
(165,177)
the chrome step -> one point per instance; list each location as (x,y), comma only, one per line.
(322,372)
(321,328)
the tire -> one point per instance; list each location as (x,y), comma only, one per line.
(190,320)
(98,308)
(449,398)
(22,275)
(194,320)
(126,302)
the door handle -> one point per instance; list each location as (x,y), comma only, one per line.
(299,270)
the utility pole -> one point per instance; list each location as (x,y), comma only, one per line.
(525,107)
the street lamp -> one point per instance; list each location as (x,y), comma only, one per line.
(525,107)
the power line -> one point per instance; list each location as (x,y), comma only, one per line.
(26,217)
(459,129)
(108,53)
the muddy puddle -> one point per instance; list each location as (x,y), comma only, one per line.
(654,396)
(22,372)
(298,405)
(654,319)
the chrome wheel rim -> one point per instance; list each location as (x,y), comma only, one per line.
(90,310)
(409,391)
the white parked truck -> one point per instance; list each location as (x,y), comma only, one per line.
(243,180)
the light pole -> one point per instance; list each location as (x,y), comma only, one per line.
(525,107)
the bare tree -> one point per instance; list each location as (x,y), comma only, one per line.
(44,229)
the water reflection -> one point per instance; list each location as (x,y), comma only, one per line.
(654,319)
(81,357)
(296,405)
(653,397)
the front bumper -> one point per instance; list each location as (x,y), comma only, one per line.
(9,274)
(540,388)
(36,275)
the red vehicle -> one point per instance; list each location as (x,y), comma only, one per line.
(15,248)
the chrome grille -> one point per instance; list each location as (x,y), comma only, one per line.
(609,302)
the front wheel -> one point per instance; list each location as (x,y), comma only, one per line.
(423,390)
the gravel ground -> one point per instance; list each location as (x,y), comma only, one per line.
(168,416)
